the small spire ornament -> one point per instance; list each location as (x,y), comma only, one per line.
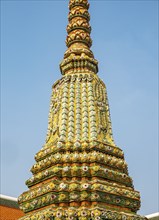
(78,58)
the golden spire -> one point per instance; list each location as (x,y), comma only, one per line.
(78,58)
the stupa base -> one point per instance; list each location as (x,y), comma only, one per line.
(81,213)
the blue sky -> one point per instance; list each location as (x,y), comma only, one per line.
(125,42)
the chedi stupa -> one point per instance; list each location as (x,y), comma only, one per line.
(80,173)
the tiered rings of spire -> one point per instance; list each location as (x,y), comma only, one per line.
(79,174)
(78,58)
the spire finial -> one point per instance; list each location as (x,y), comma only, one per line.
(78,58)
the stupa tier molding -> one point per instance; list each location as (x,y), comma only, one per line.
(74,3)
(82,213)
(80,157)
(55,147)
(78,62)
(80,170)
(74,185)
(66,192)
(79,23)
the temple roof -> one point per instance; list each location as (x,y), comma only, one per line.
(8,201)
(154,216)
